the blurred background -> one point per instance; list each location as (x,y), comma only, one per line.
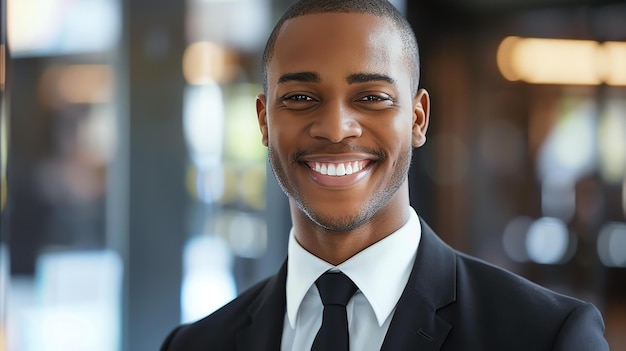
(136,194)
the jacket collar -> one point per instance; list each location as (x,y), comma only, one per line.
(432,285)
(267,315)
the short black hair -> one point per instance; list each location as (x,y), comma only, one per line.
(378,8)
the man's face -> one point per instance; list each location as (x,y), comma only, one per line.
(339,118)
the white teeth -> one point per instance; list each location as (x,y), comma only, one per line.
(341,169)
(332,169)
(337,169)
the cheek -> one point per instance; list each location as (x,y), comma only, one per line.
(398,134)
(396,141)
(286,129)
(404,128)
(283,141)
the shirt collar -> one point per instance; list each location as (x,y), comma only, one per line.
(379,275)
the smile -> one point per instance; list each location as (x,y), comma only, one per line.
(337,169)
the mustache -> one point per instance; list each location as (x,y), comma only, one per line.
(340,148)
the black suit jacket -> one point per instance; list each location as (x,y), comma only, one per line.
(451,302)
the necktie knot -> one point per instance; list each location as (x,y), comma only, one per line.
(335,288)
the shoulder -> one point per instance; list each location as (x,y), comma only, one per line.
(504,286)
(217,330)
(523,311)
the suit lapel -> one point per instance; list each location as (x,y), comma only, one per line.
(432,285)
(267,313)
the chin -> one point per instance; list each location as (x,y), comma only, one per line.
(338,223)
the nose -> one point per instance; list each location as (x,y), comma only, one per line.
(335,123)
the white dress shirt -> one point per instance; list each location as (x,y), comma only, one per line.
(381,272)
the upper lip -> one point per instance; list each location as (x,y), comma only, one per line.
(337,158)
(338,153)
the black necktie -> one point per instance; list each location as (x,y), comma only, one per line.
(335,289)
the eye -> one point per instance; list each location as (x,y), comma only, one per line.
(377,100)
(373,98)
(298,97)
(298,101)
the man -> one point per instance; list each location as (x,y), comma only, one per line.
(340,115)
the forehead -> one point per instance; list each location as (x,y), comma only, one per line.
(347,42)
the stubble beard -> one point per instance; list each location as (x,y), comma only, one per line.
(363,214)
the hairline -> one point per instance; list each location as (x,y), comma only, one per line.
(400,24)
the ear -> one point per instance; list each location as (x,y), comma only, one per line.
(421,114)
(261,112)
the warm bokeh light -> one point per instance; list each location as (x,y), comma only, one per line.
(76,84)
(86,83)
(205,62)
(505,57)
(562,61)
(615,72)
(548,61)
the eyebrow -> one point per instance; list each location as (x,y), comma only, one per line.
(303,77)
(313,77)
(368,77)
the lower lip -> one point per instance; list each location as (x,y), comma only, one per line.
(338,182)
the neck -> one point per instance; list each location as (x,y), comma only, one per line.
(336,246)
